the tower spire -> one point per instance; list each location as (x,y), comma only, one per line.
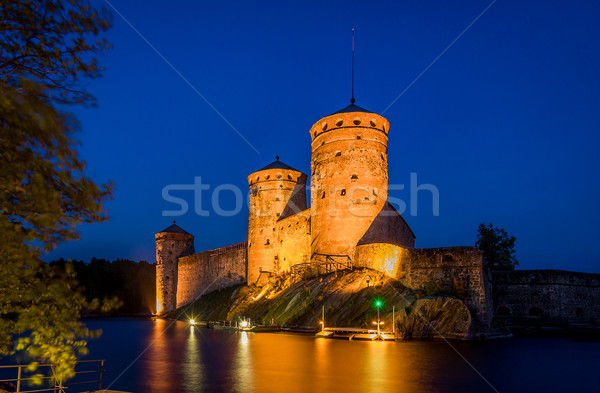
(352,100)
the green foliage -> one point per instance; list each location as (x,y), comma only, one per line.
(497,246)
(45,54)
(52,43)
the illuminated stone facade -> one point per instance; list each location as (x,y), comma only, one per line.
(171,244)
(349,222)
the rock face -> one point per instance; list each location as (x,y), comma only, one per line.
(440,317)
(348,300)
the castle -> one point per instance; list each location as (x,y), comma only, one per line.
(350,223)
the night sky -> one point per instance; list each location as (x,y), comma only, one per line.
(505,123)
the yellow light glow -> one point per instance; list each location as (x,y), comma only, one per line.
(192,322)
(244,324)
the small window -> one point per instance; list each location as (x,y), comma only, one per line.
(277,199)
(354,178)
(279,175)
(375,192)
(289,177)
(372,123)
(338,153)
(324,127)
(323,196)
(343,192)
(339,123)
(267,243)
(536,312)
(315,134)
(503,311)
(356,122)
(382,157)
(358,137)
(448,258)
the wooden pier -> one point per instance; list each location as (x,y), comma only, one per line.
(349,333)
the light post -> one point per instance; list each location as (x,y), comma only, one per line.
(378,304)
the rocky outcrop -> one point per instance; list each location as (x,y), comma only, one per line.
(348,299)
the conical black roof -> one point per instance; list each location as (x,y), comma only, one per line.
(175,229)
(351,108)
(278,165)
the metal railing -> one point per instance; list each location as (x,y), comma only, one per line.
(24,377)
(323,264)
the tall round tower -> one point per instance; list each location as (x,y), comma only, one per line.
(277,191)
(171,243)
(349,179)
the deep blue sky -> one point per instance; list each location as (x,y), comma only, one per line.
(505,124)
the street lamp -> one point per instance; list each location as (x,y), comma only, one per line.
(378,305)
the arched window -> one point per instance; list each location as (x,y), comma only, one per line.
(536,312)
(448,258)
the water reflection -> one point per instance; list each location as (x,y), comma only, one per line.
(243,369)
(180,359)
(193,369)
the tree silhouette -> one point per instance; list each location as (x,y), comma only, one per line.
(48,48)
(497,246)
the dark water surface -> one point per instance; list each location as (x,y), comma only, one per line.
(162,356)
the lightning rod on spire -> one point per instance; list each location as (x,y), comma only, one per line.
(352,100)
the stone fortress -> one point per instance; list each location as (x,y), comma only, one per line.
(349,224)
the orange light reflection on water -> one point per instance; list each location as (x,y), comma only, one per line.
(193,359)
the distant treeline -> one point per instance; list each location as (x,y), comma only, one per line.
(134,283)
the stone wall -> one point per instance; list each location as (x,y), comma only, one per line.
(294,240)
(384,257)
(556,294)
(211,270)
(458,268)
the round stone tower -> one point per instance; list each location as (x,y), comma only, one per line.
(277,191)
(349,179)
(171,243)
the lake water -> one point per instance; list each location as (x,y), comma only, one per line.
(166,356)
